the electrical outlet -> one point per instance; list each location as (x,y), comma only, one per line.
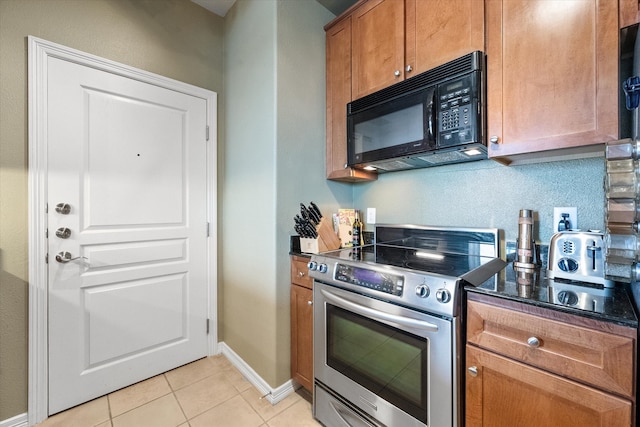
(569,214)
(371,215)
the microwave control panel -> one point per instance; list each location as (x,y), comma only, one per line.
(458,111)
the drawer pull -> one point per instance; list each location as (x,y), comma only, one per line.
(473,370)
(533,342)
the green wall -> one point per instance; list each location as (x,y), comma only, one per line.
(487,194)
(273,160)
(175,38)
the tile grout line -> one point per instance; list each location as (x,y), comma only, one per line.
(173,392)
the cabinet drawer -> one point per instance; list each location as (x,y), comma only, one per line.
(300,272)
(591,356)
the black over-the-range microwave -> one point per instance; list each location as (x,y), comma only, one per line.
(437,117)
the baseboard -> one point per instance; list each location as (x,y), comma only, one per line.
(17,421)
(273,395)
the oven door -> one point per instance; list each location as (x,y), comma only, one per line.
(392,363)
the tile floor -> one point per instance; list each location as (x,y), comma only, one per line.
(210,392)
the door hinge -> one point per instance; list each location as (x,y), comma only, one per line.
(46,258)
(207,132)
(46,233)
(208,321)
(46,208)
(208,232)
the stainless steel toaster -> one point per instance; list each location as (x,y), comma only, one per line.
(578,255)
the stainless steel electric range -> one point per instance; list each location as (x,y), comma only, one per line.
(387,340)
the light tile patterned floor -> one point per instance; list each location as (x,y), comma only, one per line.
(210,392)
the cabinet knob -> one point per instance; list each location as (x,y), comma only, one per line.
(310,302)
(301,273)
(494,139)
(409,68)
(533,342)
(397,73)
(473,370)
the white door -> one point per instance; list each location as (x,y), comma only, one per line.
(127,231)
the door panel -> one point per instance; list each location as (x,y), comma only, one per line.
(139,304)
(130,160)
(130,155)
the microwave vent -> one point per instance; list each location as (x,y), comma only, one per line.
(465,64)
(394,165)
(444,157)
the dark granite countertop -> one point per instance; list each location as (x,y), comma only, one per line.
(617,304)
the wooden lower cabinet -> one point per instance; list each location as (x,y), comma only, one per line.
(531,366)
(301,323)
(501,392)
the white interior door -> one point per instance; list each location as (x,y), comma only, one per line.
(127,231)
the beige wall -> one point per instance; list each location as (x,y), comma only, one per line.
(174,38)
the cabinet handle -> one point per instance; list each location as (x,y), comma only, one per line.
(494,139)
(409,68)
(310,302)
(397,73)
(533,342)
(473,370)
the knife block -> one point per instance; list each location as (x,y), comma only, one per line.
(327,239)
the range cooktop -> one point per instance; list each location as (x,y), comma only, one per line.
(414,266)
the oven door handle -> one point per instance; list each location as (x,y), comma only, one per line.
(380,315)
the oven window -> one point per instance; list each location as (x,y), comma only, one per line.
(387,361)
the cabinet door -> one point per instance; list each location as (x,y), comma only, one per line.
(378,45)
(439,31)
(629,12)
(552,76)
(338,95)
(302,336)
(504,393)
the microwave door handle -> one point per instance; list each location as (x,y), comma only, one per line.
(431,113)
(376,314)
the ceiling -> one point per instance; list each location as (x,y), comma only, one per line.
(221,7)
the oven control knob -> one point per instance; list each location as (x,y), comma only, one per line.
(322,268)
(423,291)
(313,266)
(443,295)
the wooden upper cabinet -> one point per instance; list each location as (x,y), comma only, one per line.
(552,79)
(338,45)
(629,12)
(394,40)
(378,45)
(439,31)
